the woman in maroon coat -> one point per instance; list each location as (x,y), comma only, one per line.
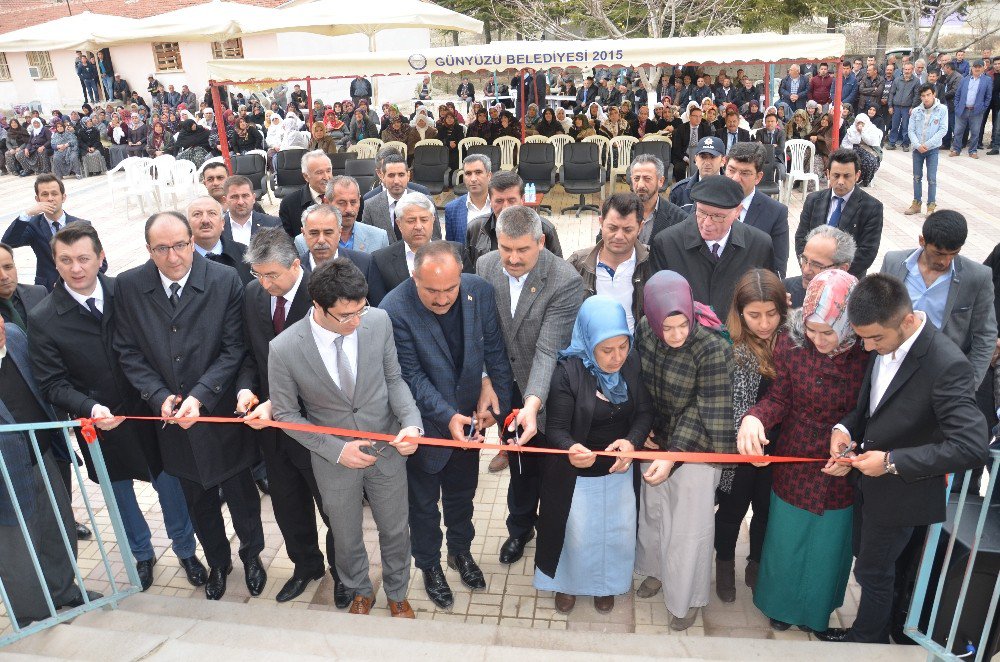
(806,560)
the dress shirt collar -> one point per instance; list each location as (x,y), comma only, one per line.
(249,219)
(61,220)
(216,250)
(746,205)
(290,294)
(914,268)
(312,260)
(721,242)
(516,282)
(904,349)
(3,353)
(474,211)
(845,197)
(611,272)
(165,282)
(323,336)
(317,198)
(81,299)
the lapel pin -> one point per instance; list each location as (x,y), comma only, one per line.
(470,296)
(532,290)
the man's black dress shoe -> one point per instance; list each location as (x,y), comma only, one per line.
(264,486)
(467,569)
(437,587)
(82,532)
(145,570)
(196,573)
(215,588)
(78,600)
(256,576)
(513,549)
(833,634)
(342,596)
(294,587)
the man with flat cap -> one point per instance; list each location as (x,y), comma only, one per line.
(710,249)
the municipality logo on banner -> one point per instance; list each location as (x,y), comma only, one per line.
(418,62)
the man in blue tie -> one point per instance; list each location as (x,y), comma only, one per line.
(845,206)
(734,134)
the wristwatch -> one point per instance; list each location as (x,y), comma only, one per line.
(889,465)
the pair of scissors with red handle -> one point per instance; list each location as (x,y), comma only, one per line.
(511,418)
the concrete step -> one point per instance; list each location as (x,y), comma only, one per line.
(80,642)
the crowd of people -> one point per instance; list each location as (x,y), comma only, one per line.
(677,331)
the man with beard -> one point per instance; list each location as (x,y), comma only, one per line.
(646,174)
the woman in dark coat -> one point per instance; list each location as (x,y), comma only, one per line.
(806,560)
(548,126)
(481,127)
(450,132)
(192,143)
(587,517)
(92,151)
(246,137)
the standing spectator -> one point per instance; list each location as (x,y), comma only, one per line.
(961,64)
(902,99)
(849,87)
(971,103)
(995,110)
(927,128)
(808,539)
(79,64)
(847,207)
(106,71)
(952,81)
(360,89)
(793,88)
(820,86)
(505,189)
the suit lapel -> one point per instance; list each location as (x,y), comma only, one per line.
(369,357)
(310,352)
(906,370)
(154,289)
(753,212)
(194,286)
(433,328)
(502,292)
(953,290)
(850,209)
(529,292)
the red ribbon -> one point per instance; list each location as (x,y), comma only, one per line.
(89,433)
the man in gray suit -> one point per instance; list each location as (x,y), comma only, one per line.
(337,367)
(380,210)
(538,296)
(955,293)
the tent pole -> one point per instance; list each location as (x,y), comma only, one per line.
(838,95)
(221,125)
(767,85)
(371,49)
(520,101)
(309,111)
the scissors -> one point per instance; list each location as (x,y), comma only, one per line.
(250,406)
(472,428)
(173,412)
(843,454)
(511,417)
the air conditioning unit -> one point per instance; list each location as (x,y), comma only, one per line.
(34,73)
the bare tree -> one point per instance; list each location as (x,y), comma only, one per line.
(923,20)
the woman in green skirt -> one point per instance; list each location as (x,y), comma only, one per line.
(806,561)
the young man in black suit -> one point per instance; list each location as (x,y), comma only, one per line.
(242,220)
(846,206)
(745,166)
(916,421)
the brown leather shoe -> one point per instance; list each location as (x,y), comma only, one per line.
(604,603)
(401,609)
(499,462)
(565,603)
(362,604)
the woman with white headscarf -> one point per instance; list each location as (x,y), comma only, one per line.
(291,129)
(866,140)
(34,156)
(136,135)
(563,119)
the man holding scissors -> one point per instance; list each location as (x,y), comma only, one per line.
(449,343)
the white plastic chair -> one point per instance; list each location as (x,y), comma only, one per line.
(655,137)
(184,177)
(399,145)
(620,158)
(603,144)
(536,139)
(427,141)
(465,143)
(369,147)
(800,152)
(508,148)
(138,181)
(163,173)
(559,141)
(206,162)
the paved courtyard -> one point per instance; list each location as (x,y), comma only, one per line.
(972,187)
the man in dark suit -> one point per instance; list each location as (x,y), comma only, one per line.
(16,300)
(21,402)
(180,341)
(241,221)
(537,298)
(380,210)
(916,421)
(826,248)
(711,249)
(847,206)
(793,88)
(317,171)
(506,190)
(733,134)
(38,223)
(447,338)
(380,159)
(774,137)
(647,175)
(415,218)
(79,372)
(745,166)
(276,299)
(321,230)
(709,159)
(586,95)
(204,215)
(690,133)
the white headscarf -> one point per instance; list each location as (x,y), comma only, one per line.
(36,126)
(868,134)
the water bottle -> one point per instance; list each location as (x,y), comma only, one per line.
(529,193)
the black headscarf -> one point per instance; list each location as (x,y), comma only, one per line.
(19,133)
(191,135)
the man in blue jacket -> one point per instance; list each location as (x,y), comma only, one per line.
(971,103)
(477,170)
(928,125)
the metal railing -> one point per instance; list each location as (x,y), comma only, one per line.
(949,626)
(118,590)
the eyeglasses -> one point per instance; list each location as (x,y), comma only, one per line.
(803,261)
(714,218)
(269,277)
(162,251)
(349,318)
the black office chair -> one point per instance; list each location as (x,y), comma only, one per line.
(431,167)
(287,175)
(661,150)
(770,184)
(339,161)
(254,168)
(491,152)
(537,165)
(363,170)
(581,173)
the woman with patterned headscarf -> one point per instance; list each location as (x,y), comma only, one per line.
(587,518)
(686,365)
(806,560)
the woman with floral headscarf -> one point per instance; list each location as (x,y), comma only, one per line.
(531,116)
(334,126)
(800,126)
(65,151)
(246,137)
(396,131)
(322,140)
(587,515)
(159,141)
(34,155)
(686,364)
(806,560)
(392,112)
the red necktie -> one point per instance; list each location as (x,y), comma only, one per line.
(278,320)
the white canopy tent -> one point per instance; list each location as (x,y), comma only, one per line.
(83,31)
(342,18)
(502,56)
(217,20)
